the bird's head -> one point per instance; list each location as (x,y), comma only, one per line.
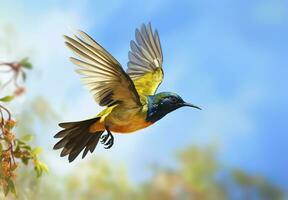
(163,103)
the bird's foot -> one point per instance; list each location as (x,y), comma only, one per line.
(107,140)
(104,138)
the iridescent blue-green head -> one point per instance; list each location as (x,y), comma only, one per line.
(163,103)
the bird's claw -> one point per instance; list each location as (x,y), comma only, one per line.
(104,138)
(109,144)
(107,140)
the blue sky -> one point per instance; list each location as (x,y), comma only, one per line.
(229,57)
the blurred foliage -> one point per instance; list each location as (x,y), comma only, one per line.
(34,112)
(256,186)
(15,150)
(199,176)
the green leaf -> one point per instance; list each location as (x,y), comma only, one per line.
(40,168)
(20,143)
(25,161)
(27,147)
(6,189)
(27,138)
(23,144)
(37,151)
(25,63)
(7,98)
(11,186)
(24,76)
(44,167)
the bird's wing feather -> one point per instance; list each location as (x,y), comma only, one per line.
(103,74)
(145,61)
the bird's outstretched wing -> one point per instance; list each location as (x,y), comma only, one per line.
(103,74)
(145,61)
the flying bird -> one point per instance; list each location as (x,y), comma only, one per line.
(129,97)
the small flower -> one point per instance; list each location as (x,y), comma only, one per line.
(19,91)
(10,123)
(6,156)
(10,137)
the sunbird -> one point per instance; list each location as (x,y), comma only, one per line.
(129,97)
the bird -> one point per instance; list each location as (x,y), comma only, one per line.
(129,97)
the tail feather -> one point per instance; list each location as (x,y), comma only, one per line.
(76,137)
(64,132)
(91,145)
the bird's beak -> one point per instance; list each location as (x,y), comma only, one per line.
(191,105)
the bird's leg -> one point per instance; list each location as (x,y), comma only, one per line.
(107,139)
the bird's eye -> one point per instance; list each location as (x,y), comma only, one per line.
(173,100)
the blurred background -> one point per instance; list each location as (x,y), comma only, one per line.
(228,57)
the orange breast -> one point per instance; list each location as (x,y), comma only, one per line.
(130,127)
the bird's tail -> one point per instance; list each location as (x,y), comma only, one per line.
(75,137)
